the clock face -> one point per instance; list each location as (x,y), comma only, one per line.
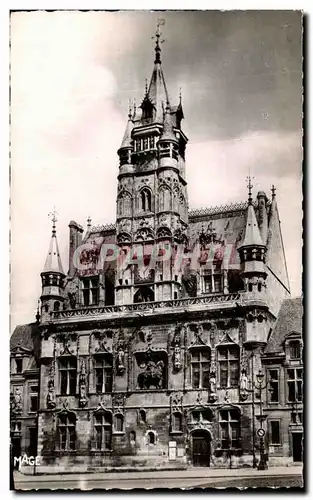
(260,432)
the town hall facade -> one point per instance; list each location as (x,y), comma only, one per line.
(178,345)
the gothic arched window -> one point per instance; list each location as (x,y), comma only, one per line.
(124,203)
(151,437)
(144,294)
(145,200)
(118,422)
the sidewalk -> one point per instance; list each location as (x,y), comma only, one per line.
(195,472)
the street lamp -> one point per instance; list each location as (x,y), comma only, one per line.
(261,432)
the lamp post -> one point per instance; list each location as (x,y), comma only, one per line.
(261,432)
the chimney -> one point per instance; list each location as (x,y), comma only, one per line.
(263,219)
(76,236)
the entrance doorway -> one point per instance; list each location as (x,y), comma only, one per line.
(297,446)
(201,448)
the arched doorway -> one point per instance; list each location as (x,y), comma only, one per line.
(201,448)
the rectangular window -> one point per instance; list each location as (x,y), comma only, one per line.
(228,358)
(90,289)
(273,386)
(19,365)
(275,432)
(200,368)
(68,374)
(103,431)
(67,432)
(295,351)
(103,372)
(33,403)
(229,426)
(294,385)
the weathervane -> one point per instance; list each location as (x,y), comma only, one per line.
(157,36)
(249,186)
(53,216)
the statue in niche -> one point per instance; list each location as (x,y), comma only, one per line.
(120,365)
(83,384)
(177,358)
(153,375)
(212,381)
(51,404)
(243,385)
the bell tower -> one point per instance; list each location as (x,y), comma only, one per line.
(52,277)
(152,202)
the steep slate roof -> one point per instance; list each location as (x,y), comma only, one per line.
(252,232)
(53,261)
(289,320)
(26,337)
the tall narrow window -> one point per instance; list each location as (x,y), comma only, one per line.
(68,373)
(294,384)
(19,365)
(66,432)
(295,351)
(177,422)
(273,387)
(229,426)
(145,200)
(103,372)
(33,397)
(200,368)
(103,431)
(213,279)
(274,432)
(118,422)
(90,288)
(151,437)
(228,357)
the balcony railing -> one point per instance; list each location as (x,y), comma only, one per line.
(147,306)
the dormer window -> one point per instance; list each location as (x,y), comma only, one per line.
(90,289)
(295,349)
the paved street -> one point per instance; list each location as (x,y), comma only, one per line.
(196,477)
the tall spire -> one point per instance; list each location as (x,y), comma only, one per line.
(157,91)
(127,140)
(252,231)
(53,261)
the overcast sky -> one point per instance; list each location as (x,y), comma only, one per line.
(72,74)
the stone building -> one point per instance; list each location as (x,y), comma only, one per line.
(148,345)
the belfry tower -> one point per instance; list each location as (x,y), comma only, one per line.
(152,204)
(52,277)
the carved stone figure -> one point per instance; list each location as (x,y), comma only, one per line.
(212,381)
(120,365)
(51,404)
(152,376)
(83,384)
(243,381)
(177,358)
(72,299)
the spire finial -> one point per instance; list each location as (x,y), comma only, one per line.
(38,311)
(134,109)
(180,96)
(273,189)
(157,49)
(89,223)
(129,108)
(249,186)
(53,216)
(146,86)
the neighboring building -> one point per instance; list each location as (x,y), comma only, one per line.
(151,367)
(24,393)
(282,360)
